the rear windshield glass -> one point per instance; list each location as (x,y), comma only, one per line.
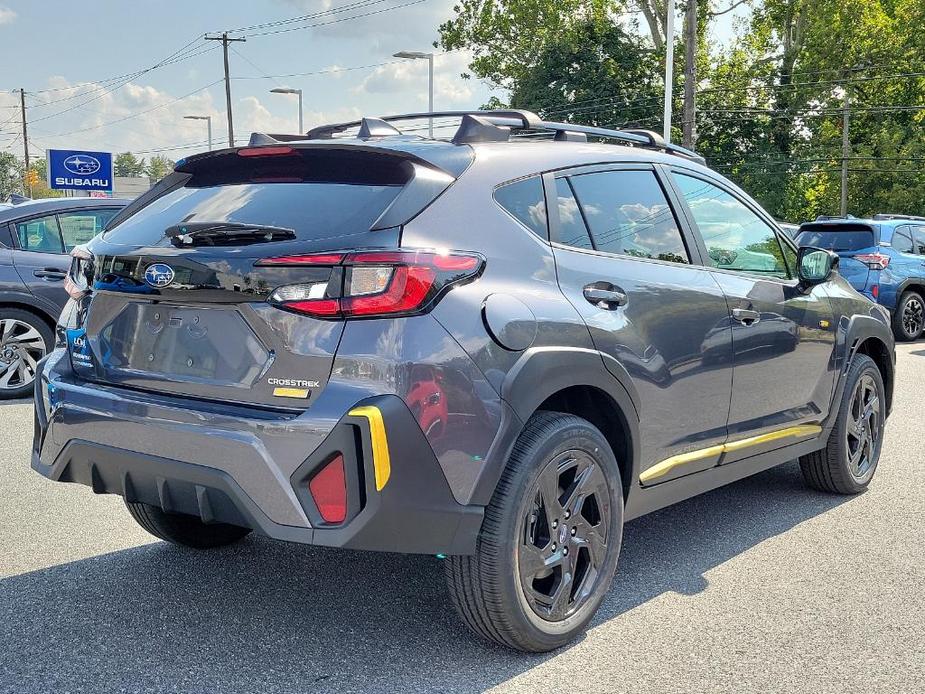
(836,240)
(313,210)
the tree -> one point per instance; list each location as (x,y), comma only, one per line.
(10,175)
(127,164)
(158,167)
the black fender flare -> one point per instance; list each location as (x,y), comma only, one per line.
(46,309)
(853,331)
(908,282)
(541,372)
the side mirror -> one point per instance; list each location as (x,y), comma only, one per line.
(815,265)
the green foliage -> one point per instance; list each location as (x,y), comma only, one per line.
(158,167)
(10,176)
(127,164)
(769,106)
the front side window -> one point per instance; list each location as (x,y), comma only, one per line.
(82,225)
(627,213)
(735,237)
(525,202)
(40,234)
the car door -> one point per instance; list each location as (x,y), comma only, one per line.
(659,317)
(783,335)
(43,244)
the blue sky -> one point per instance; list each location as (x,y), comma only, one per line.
(62,53)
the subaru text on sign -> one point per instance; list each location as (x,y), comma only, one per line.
(73,170)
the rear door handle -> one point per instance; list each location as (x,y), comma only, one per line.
(746,316)
(51,274)
(604,295)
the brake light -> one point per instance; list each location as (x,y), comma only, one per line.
(329,490)
(375,283)
(265,151)
(875,261)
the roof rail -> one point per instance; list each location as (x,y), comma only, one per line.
(911,217)
(490,126)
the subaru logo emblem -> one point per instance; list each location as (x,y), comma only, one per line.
(159,275)
(82,164)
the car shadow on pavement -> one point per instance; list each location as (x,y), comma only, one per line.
(269,616)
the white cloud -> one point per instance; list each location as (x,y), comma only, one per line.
(449,87)
(7,16)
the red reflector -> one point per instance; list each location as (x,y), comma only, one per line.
(315,307)
(875,290)
(265,151)
(329,490)
(316,259)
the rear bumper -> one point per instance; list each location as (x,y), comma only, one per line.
(250,470)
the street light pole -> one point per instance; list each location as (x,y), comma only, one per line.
(287,90)
(208,120)
(419,55)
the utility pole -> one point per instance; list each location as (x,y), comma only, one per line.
(225,41)
(669,68)
(845,153)
(25,135)
(689,111)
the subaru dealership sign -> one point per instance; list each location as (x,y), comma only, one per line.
(73,170)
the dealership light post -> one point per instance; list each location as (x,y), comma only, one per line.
(208,120)
(418,55)
(286,90)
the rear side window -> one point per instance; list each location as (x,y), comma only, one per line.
(524,200)
(918,239)
(902,240)
(835,239)
(572,229)
(628,214)
(41,234)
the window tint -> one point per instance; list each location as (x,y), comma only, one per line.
(627,213)
(572,229)
(902,240)
(735,237)
(835,238)
(40,234)
(524,200)
(918,239)
(82,225)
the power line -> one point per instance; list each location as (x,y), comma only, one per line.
(358,4)
(339,20)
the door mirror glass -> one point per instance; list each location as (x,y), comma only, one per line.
(815,265)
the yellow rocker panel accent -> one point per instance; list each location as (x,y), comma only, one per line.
(381,462)
(669,464)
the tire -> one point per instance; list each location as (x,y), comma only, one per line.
(182,529)
(909,317)
(847,463)
(25,337)
(487,588)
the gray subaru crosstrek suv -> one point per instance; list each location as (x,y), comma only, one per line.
(496,348)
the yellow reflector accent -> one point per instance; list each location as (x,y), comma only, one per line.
(290,392)
(669,464)
(381,463)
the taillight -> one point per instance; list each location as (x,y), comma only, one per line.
(374,283)
(329,490)
(875,261)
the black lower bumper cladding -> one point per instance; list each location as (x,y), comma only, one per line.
(414,512)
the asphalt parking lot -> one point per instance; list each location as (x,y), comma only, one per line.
(759,586)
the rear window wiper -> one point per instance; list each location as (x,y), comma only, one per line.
(188,234)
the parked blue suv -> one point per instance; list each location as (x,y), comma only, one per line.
(883,258)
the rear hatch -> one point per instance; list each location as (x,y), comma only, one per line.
(850,240)
(178,299)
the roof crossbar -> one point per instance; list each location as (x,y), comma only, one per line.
(492,126)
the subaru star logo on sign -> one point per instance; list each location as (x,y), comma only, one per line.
(73,170)
(159,275)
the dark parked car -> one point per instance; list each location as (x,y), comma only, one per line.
(489,348)
(883,258)
(36,238)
